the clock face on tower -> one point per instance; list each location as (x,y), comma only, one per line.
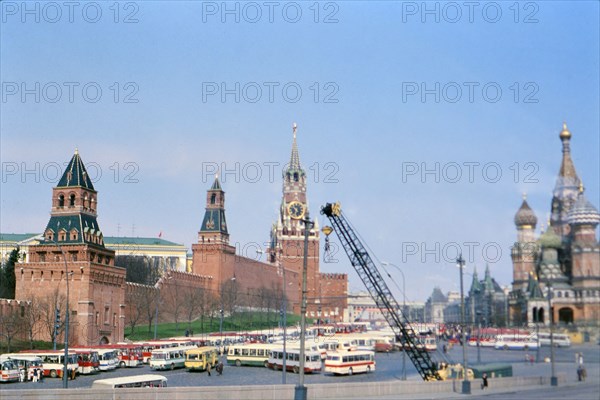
(296,210)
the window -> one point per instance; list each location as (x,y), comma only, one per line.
(61,201)
(115,319)
(97,317)
(42,257)
(213,198)
(72,200)
(106,314)
(74,234)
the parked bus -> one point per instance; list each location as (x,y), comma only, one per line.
(198,359)
(9,371)
(170,358)
(53,361)
(560,339)
(88,360)
(292,363)
(147,347)
(128,355)
(25,362)
(131,382)
(348,363)
(516,342)
(108,359)
(256,354)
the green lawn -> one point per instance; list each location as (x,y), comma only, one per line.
(240,321)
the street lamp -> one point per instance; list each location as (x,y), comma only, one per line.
(158,286)
(384,263)
(65,363)
(300,392)
(553,378)
(283,311)
(466,385)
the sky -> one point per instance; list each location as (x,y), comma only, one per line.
(426,121)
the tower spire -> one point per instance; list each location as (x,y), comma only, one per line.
(295,157)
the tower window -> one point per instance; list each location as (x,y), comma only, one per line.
(61,200)
(213,198)
(72,200)
(295,177)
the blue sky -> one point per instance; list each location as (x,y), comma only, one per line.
(365,131)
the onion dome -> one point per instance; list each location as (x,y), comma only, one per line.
(550,239)
(583,212)
(525,215)
(565,133)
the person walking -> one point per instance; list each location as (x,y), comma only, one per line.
(219,368)
(484,383)
(208,367)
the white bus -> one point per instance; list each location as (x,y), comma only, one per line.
(26,362)
(560,339)
(131,382)
(9,371)
(171,358)
(516,342)
(53,361)
(292,363)
(256,354)
(351,362)
(108,359)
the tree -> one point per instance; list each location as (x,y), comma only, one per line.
(194,303)
(7,275)
(135,297)
(47,307)
(175,296)
(10,324)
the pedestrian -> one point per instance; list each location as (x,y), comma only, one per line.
(445,349)
(22,375)
(580,359)
(34,376)
(208,366)
(219,368)
(73,373)
(579,374)
(484,383)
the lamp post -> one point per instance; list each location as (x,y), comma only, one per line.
(66,357)
(158,286)
(403,311)
(553,378)
(283,310)
(466,385)
(300,390)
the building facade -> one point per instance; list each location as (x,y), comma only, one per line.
(562,265)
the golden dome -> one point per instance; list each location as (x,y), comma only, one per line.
(565,134)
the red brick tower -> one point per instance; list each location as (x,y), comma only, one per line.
(73,249)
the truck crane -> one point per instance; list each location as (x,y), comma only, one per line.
(379,291)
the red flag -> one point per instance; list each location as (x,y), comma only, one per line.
(160,234)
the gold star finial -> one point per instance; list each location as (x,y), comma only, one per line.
(294,128)
(76,151)
(524,196)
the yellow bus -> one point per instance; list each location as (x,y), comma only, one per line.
(198,359)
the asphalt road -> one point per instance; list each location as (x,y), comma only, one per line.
(389,367)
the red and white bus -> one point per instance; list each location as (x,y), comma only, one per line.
(9,371)
(53,361)
(311,364)
(88,360)
(25,362)
(128,355)
(350,362)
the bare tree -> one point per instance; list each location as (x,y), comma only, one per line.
(10,324)
(47,308)
(136,297)
(175,298)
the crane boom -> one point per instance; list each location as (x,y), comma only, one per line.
(379,291)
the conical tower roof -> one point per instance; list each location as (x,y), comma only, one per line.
(75,174)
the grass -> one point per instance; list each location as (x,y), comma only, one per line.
(239,322)
(18,345)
